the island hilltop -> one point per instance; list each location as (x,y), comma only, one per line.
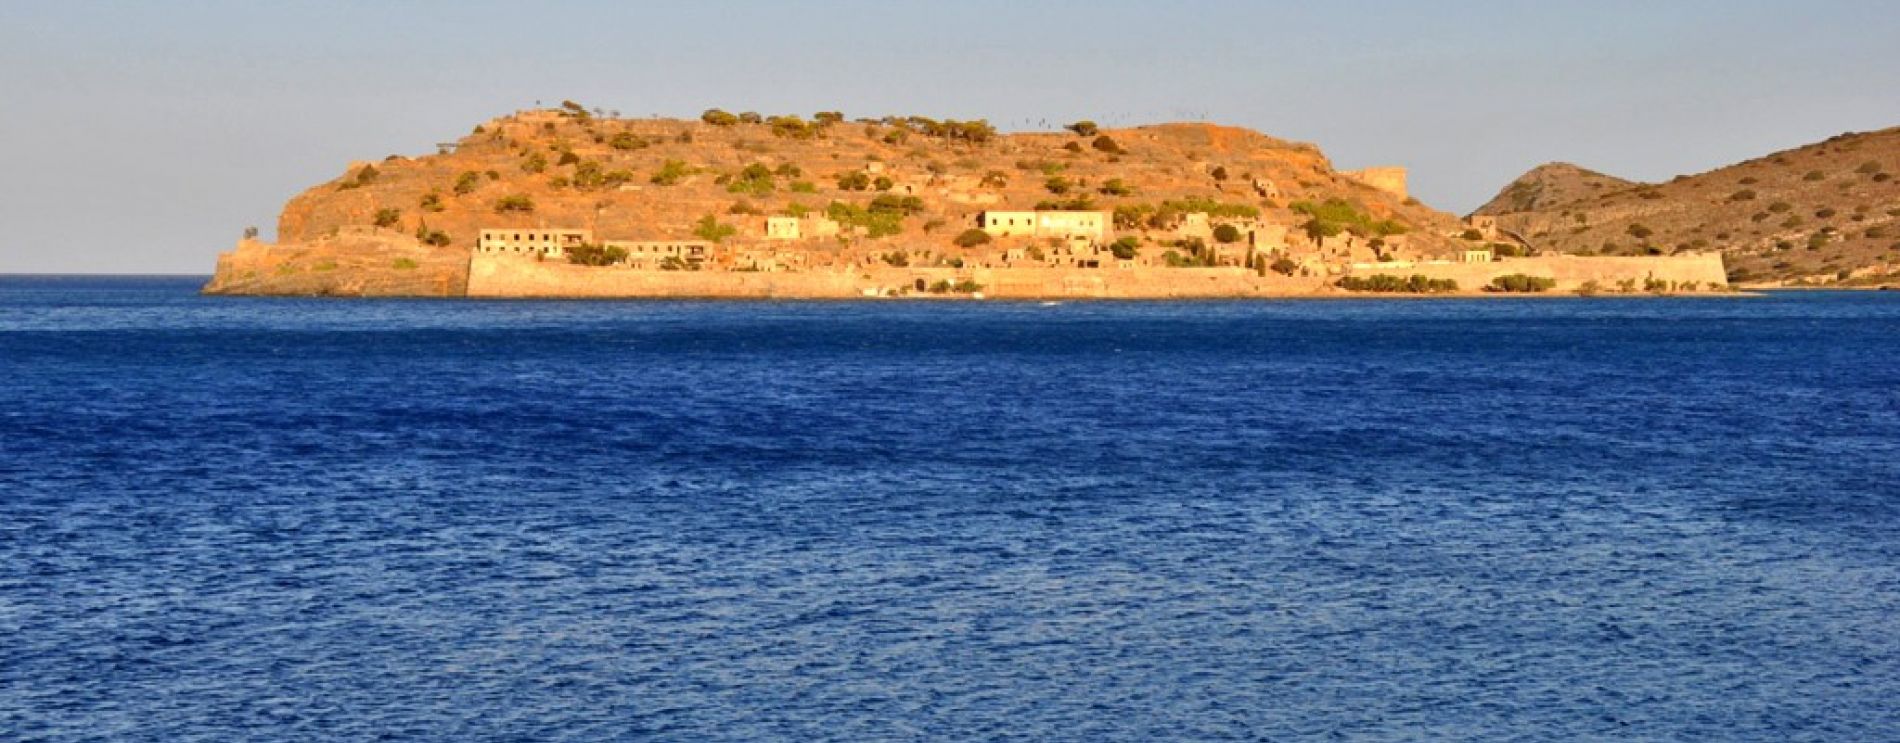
(572,202)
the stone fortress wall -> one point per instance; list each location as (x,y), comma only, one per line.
(1571,272)
(508,276)
(511,276)
(1390,179)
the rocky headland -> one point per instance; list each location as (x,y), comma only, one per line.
(577,202)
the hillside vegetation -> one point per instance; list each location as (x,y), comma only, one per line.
(1824,214)
(897,180)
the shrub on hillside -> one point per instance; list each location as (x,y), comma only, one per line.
(627,141)
(467,182)
(1047,167)
(1226,233)
(1058,185)
(1284,266)
(1518,283)
(710,229)
(1389,284)
(854,181)
(1077,204)
(971,238)
(1116,187)
(875,223)
(514,203)
(717,117)
(589,176)
(1083,128)
(1132,216)
(894,204)
(792,127)
(1107,144)
(1334,216)
(431,202)
(363,177)
(1125,248)
(755,179)
(671,172)
(587,254)
(388,217)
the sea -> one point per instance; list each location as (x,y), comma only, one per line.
(236,519)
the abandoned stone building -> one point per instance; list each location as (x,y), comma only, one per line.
(781,228)
(1090,225)
(654,253)
(799,228)
(532,240)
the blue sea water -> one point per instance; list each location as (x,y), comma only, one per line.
(1559,519)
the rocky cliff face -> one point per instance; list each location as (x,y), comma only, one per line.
(1824,214)
(659,178)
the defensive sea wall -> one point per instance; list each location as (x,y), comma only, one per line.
(502,275)
(360,263)
(1700,271)
(381,267)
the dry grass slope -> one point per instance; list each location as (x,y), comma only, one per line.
(1825,214)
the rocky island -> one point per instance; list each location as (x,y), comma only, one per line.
(578,202)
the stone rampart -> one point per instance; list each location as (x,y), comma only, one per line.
(507,276)
(1572,272)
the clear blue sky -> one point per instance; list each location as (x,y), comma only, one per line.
(143,137)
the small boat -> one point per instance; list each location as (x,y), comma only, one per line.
(1051,304)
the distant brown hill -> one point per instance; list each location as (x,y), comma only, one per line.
(1827,213)
(1553,185)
